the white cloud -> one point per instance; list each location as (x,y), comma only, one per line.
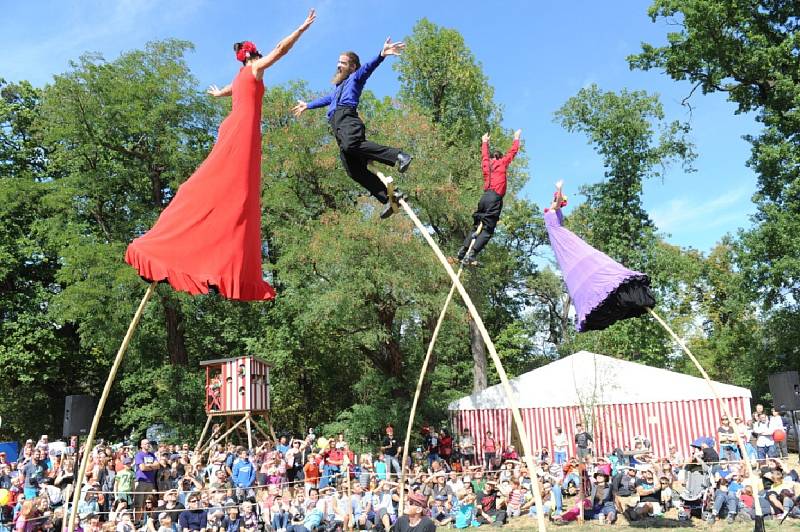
(713,211)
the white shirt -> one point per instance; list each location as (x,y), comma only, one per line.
(560,443)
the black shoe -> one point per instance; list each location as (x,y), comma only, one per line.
(387,211)
(470,260)
(403,160)
(461,253)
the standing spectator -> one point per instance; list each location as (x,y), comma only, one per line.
(762,430)
(489,449)
(34,472)
(145,467)
(583,441)
(294,461)
(390,450)
(727,439)
(467,447)
(445,445)
(311,473)
(244,475)
(560,445)
(777,420)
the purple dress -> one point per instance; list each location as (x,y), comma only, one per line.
(602,290)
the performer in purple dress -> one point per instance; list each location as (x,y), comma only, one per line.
(602,290)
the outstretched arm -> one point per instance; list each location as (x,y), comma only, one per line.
(282,47)
(512,151)
(215,91)
(485,158)
(558,197)
(389,48)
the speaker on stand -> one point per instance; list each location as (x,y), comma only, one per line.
(78,413)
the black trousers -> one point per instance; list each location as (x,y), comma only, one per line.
(356,151)
(489,208)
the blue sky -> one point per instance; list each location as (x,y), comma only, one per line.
(536,55)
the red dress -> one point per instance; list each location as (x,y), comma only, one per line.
(210,233)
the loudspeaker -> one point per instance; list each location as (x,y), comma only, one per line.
(78,413)
(785,390)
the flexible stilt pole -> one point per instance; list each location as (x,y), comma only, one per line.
(112,374)
(506,386)
(759,525)
(424,369)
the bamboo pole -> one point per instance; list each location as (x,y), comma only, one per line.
(506,385)
(424,370)
(249,432)
(723,407)
(112,374)
(203,434)
(213,443)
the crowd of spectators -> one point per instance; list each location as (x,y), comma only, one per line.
(311,484)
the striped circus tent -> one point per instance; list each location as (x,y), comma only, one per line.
(618,399)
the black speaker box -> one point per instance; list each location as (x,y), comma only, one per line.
(78,413)
(785,390)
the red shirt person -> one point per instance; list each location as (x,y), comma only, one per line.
(495,167)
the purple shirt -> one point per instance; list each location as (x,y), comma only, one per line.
(144,458)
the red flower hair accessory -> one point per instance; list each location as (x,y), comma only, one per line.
(246,50)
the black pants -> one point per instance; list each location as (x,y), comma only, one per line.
(489,208)
(356,151)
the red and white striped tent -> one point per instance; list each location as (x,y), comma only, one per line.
(619,400)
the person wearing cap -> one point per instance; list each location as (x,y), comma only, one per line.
(602,499)
(414,518)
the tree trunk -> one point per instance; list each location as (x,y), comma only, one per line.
(176,345)
(478,348)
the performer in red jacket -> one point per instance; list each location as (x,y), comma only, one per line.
(491,203)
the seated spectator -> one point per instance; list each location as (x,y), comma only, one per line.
(194,517)
(602,499)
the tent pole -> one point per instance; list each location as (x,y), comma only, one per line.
(509,392)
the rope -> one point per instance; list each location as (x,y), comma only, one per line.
(509,393)
(723,406)
(101,404)
(424,368)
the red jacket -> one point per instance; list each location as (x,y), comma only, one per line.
(494,170)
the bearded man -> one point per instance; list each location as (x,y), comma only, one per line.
(348,128)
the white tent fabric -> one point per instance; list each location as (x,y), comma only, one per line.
(588,378)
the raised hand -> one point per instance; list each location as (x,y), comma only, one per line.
(517,134)
(559,184)
(214,91)
(312,16)
(392,48)
(485,137)
(298,109)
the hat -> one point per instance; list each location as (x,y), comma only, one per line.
(418,500)
(698,443)
(600,473)
(163,515)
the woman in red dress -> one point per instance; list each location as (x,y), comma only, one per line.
(210,233)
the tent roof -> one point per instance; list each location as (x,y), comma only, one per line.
(589,378)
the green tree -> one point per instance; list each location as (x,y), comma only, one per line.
(748,50)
